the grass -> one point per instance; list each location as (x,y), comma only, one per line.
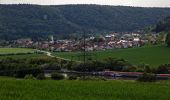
(19,53)
(24,56)
(15,50)
(12,89)
(152,55)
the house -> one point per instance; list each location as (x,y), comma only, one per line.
(108,37)
(89,48)
(136,39)
(92,38)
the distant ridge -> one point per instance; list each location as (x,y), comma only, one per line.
(38,22)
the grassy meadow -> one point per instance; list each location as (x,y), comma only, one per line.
(152,55)
(15,50)
(17,89)
(24,56)
(19,53)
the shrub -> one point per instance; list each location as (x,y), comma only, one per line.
(57,76)
(21,73)
(147,69)
(72,77)
(115,64)
(139,70)
(147,77)
(167,41)
(29,76)
(51,66)
(40,76)
(163,69)
(129,68)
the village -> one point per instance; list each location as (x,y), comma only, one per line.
(91,43)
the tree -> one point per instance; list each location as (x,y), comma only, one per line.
(161,38)
(40,76)
(147,77)
(167,41)
(163,69)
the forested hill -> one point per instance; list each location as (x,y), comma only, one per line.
(22,21)
(163,25)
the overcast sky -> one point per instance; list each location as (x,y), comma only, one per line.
(143,3)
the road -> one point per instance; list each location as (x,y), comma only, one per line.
(50,55)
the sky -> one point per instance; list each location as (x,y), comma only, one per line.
(141,3)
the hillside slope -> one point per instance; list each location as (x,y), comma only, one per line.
(163,25)
(34,21)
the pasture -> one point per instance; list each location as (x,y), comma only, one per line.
(15,50)
(17,89)
(151,55)
(23,56)
(19,53)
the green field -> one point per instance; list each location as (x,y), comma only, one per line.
(13,89)
(15,50)
(19,53)
(24,56)
(152,55)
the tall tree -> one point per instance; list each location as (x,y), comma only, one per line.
(168,39)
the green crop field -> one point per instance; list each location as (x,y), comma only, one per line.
(15,50)
(18,89)
(152,55)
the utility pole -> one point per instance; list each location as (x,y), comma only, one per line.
(84,49)
(84,53)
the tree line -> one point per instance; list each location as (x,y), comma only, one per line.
(35,66)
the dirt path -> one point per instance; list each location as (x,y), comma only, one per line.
(50,55)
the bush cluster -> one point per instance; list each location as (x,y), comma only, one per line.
(41,76)
(29,76)
(72,77)
(109,63)
(57,76)
(20,67)
(147,77)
